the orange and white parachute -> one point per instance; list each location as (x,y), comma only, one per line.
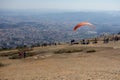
(83,24)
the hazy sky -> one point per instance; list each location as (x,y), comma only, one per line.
(73,5)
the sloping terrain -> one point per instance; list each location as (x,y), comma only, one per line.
(103,64)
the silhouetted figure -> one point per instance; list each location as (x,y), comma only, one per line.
(95,41)
(106,40)
(116,38)
(119,33)
(87,42)
(24,54)
(55,44)
(83,41)
(72,42)
(44,44)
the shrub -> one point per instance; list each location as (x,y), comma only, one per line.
(67,51)
(7,54)
(15,56)
(30,54)
(91,51)
(1,64)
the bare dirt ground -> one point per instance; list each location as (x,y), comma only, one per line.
(104,64)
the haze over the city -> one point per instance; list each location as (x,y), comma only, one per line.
(65,5)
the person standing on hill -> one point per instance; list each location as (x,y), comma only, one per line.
(24,54)
(20,54)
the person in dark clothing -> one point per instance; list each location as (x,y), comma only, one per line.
(24,54)
(106,40)
(119,33)
(83,41)
(72,41)
(116,38)
(87,42)
(95,41)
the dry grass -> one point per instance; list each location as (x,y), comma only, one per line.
(91,51)
(51,49)
(68,49)
(74,49)
(7,54)
(103,64)
(1,64)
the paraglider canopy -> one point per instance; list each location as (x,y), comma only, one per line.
(83,24)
